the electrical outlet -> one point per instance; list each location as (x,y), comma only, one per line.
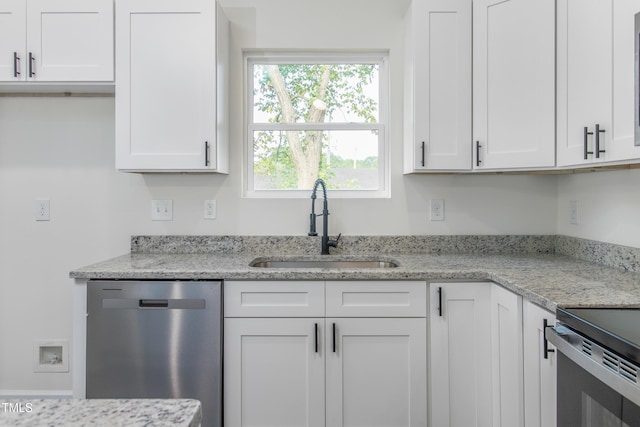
(436,207)
(43,212)
(162,210)
(210,209)
(573,212)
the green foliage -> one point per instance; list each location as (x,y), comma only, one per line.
(345,91)
(345,95)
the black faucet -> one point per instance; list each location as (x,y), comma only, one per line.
(326,242)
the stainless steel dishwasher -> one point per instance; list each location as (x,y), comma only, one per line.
(156,339)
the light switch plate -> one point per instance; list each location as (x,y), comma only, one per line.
(162,210)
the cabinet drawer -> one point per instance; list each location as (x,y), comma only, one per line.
(273,299)
(376,299)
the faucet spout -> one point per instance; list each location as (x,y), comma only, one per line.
(325,241)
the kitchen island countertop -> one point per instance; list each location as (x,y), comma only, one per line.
(548,280)
(101,412)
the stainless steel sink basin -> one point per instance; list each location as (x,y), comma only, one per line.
(322,264)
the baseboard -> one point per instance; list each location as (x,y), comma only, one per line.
(36,394)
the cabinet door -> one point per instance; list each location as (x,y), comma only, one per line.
(166,85)
(70,40)
(506,343)
(12,40)
(539,371)
(513,83)
(460,354)
(376,372)
(438,85)
(584,44)
(622,145)
(273,375)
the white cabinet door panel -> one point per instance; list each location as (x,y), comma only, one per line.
(273,375)
(584,76)
(12,40)
(539,371)
(506,319)
(438,85)
(166,85)
(514,83)
(460,355)
(376,377)
(70,40)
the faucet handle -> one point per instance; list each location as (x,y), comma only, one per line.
(334,243)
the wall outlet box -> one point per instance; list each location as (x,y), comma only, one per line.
(210,207)
(573,212)
(162,210)
(436,207)
(43,212)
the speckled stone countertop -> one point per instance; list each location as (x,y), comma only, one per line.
(531,267)
(101,412)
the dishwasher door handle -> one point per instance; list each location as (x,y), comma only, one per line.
(153,303)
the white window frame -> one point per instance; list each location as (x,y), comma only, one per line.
(380,58)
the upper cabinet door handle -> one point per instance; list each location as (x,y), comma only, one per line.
(478,146)
(586,137)
(206,153)
(422,159)
(597,137)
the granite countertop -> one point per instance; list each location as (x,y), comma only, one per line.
(101,412)
(549,280)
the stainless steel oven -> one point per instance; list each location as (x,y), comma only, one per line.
(598,367)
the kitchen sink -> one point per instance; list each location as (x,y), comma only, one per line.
(322,263)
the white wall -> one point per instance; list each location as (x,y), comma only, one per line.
(63,149)
(608,206)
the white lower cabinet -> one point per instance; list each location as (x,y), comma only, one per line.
(539,368)
(376,372)
(460,354)
(272,374)
(302,369)
(475,364)
(506,349)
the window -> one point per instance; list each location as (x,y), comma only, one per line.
(316,116)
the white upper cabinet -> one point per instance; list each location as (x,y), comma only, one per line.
(171,100)
(437,115)
(56,40)
(513,84)
(595,43)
